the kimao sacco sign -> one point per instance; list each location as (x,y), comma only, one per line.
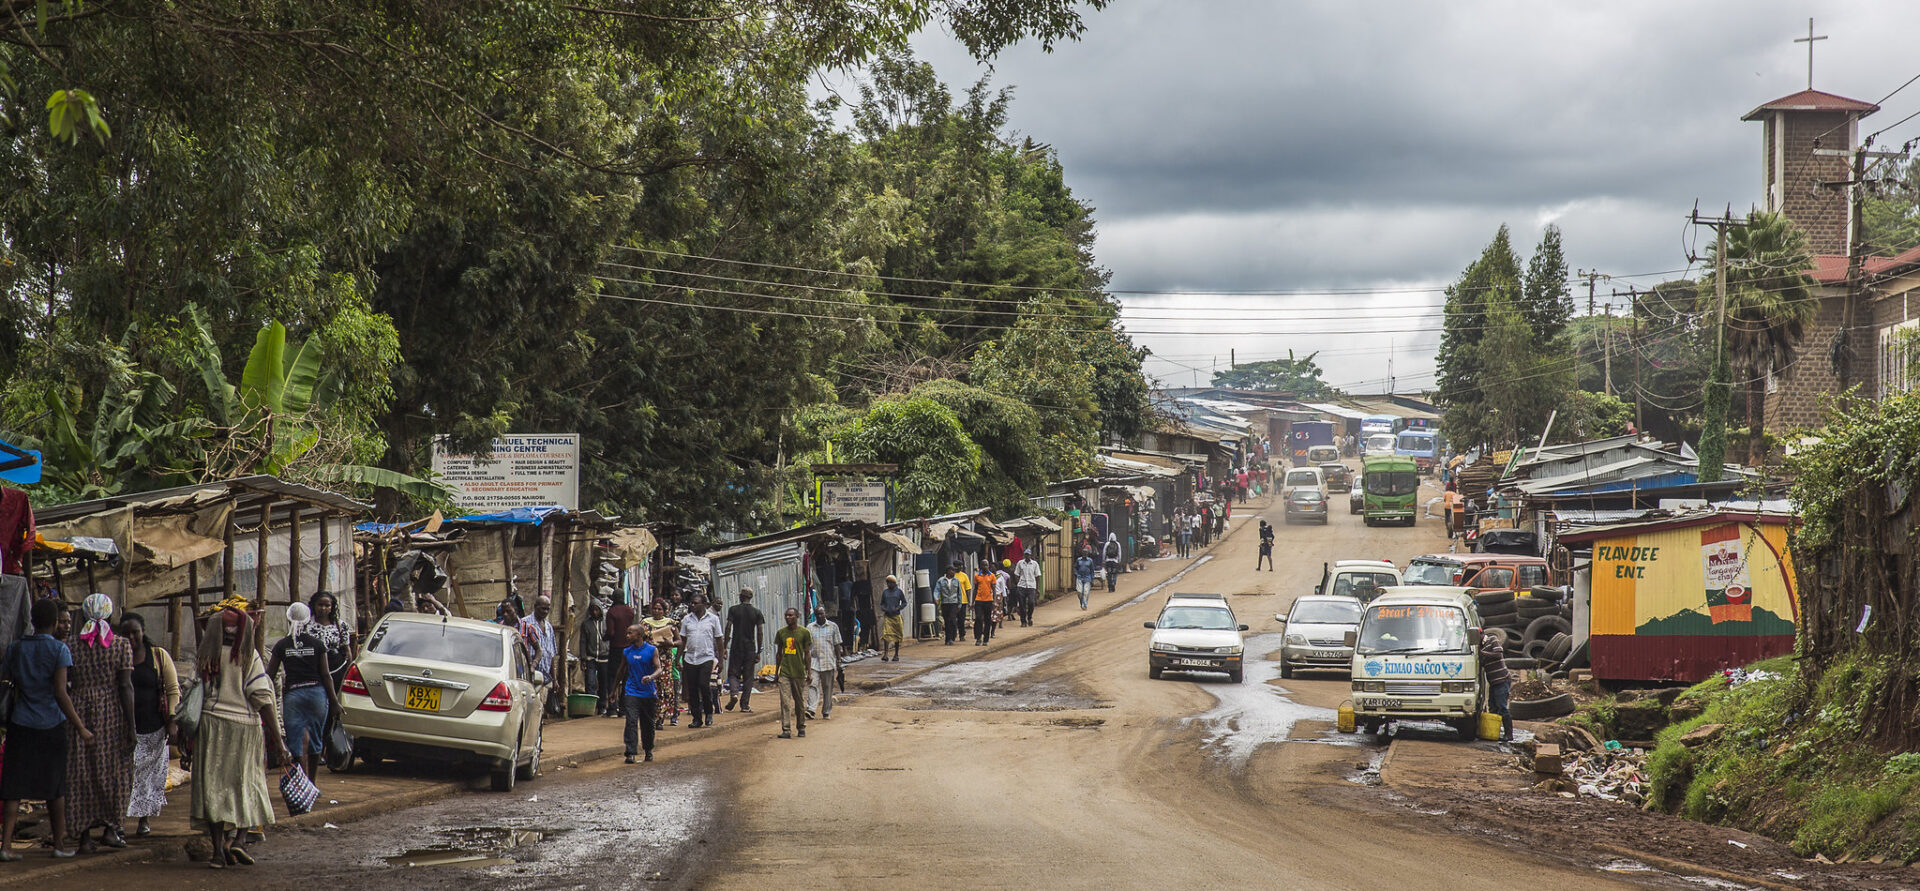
(524,470)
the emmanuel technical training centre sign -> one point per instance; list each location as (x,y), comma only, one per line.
(525,470)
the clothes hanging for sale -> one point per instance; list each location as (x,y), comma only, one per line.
(16,529)
(1017,550)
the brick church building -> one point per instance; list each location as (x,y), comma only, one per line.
(1873,311)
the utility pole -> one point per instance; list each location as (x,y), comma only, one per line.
(1607,349)
(1713,432)
(1856,244)
(1639,361)
(1591,275)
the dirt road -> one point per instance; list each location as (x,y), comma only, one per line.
(1054,763)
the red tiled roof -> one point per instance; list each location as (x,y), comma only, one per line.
(1813,100)
(1831,269)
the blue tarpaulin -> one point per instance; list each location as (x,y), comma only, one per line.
(18,465)
(532,516)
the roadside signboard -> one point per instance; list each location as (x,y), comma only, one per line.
(524,470)
(849,500)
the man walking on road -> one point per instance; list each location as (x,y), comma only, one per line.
(1184,527)
(703,639)
(1493,661)
(1083,577)
(947,592)
(1026,587)
(1266,547)
(639,699)
(823,663)
(538,632)
(791,644)
(1111,554)
(745,625)
(893,625)
(983,583)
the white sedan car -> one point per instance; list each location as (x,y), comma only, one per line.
(446,689)
(1196,632)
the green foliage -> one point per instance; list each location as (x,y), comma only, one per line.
(939,462)
(1298,376)
(1008,433)
(1891,218)
(1588,415)
(1546,300)
(1713,429)
(1038,362)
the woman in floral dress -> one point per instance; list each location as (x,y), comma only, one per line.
(663,631)
(100,771)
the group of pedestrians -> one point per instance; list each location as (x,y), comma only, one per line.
(96,715)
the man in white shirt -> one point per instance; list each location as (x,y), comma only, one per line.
(823,664)
(1026,587)
(703,638)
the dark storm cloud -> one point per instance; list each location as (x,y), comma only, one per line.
(1284,146)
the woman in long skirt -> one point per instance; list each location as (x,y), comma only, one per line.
(156,694)
(664,631)
(229,786)
(100,772)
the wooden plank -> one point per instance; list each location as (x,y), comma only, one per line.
(562,669)
(226,561)
(293,557)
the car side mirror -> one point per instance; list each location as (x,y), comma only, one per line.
(1280,617)
(538,677)
(1243,628)
(1148,625)
(1350,638)
(1317,588)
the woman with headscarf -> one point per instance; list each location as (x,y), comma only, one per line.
(308,698)
(156,693)
(100,771)
(663,631)
(229,788)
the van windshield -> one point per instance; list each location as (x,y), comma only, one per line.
(1427,573)
(1397,628)
(1303,478)
(1416,442)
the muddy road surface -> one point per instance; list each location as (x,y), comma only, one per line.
(1054,763)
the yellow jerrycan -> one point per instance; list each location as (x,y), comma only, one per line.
(1345,717)
(1489,725)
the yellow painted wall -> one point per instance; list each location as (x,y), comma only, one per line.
(1666,576)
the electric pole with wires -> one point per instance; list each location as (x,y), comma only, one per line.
(1713,429)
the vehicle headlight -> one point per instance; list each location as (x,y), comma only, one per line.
(1297,639)
(1163,647)
(1227,651)
(1457,686)
(1369,686)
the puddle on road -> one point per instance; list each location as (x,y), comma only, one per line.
(994,685)
(471,847)
(1253,713)
(1627,866)
(1367,773)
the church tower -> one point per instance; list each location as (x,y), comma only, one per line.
(1793,175)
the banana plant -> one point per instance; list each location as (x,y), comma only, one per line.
(274,410)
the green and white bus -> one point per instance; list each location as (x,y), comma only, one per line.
(1392,484)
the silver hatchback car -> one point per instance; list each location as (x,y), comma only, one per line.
(1317,627)
(446,689)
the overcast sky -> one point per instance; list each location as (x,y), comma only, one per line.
(1334,144)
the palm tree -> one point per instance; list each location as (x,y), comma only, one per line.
(1770,302)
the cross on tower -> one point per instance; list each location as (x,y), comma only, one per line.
(1808,40)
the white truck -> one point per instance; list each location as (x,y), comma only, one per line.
(1416,657)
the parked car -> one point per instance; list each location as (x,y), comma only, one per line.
(1349,578)
(1317,628)
(1339,477)
(1487,572)
(446,689)
(1307,504)
(1196,632)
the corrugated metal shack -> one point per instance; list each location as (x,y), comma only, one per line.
(1682,598)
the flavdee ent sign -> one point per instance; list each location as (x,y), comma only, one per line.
(523,470)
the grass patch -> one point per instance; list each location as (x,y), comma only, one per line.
(1790,764)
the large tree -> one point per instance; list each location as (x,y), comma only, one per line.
(1547,300)
(1494,278)
(1299,376)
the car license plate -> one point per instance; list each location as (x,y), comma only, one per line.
(426,699)
(1386,703)
(1323,654)
(1197,662)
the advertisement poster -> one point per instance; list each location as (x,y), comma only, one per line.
(524,470)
